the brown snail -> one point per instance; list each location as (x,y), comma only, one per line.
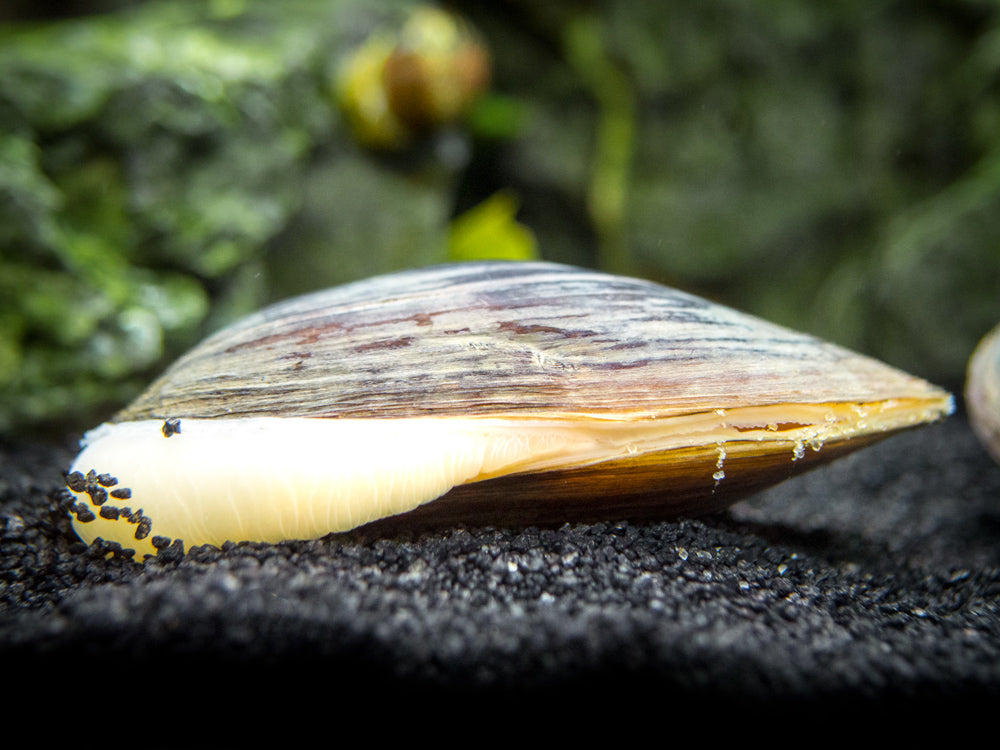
(400,85)
(478,393)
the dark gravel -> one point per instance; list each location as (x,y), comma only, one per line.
(877,577)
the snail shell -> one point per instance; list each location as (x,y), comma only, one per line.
(982,392)
(503,392)
(395,87)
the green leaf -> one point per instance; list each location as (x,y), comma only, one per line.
(490,231)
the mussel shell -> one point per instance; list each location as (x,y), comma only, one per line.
(684,405)
(509,339)
(982,392)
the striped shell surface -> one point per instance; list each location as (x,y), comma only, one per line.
(479,393)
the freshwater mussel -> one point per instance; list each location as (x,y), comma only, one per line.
(500,393)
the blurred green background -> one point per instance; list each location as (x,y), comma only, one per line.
(166,167)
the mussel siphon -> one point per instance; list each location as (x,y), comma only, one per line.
(505,393)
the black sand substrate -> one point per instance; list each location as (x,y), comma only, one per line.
(875,579)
